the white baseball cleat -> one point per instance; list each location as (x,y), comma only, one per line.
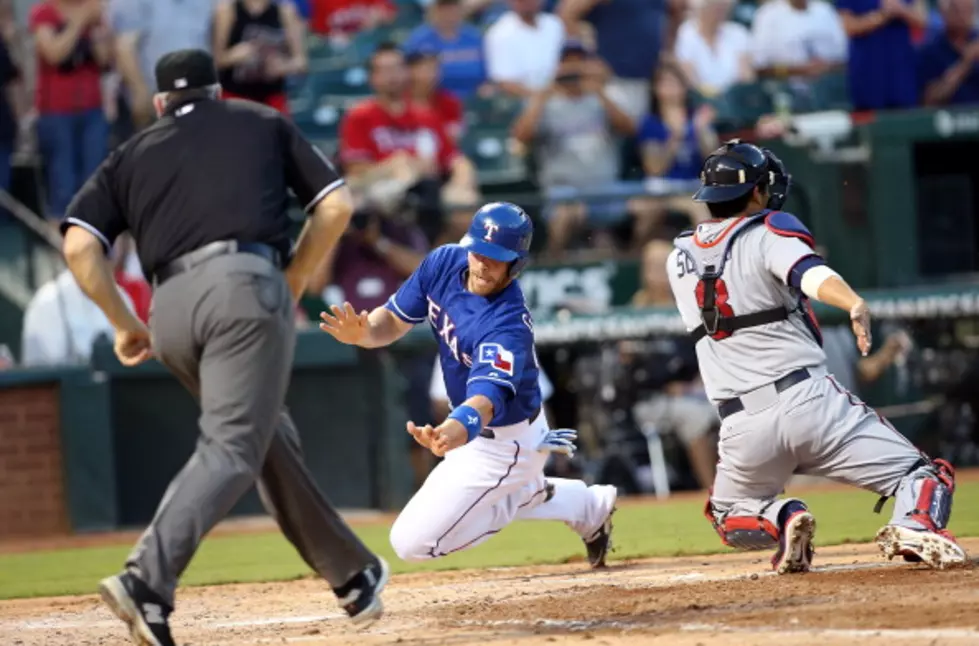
(795,545)
(936,549)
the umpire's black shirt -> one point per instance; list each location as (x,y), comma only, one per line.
(207,170)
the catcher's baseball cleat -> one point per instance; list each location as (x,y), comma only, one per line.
(795,544)
(599,543)
(140,608)
(361,596)
(936,549)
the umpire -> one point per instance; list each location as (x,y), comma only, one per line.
(204,193)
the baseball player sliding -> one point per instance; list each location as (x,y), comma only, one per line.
(742,282)
(496,439)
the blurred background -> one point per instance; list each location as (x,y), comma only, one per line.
(594,115)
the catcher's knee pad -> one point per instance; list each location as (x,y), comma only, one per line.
(924,496)
(742,532)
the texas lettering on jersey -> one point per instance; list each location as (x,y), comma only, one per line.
(445,330)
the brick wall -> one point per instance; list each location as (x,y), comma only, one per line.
(32,488)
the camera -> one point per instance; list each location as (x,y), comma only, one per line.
(360,220)
(570,77)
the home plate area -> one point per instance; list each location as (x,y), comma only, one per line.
(853,597)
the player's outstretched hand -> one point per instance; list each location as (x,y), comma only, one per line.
(422,434)
(449,435)
(346,325)
(860,319)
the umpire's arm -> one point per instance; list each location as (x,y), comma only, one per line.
(326,200)
(92,222)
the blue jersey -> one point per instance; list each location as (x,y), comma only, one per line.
(486,344)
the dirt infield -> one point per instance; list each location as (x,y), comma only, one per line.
(853,597)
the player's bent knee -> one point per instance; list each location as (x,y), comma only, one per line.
(742,532)
(409,545)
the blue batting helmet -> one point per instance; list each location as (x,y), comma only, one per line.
(501,231)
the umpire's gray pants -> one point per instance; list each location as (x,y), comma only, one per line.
(225,329)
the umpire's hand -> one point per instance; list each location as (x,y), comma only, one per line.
(133,345)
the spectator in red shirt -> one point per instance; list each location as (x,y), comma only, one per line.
(343,19)
(424,91)
(390,148)
(73,46)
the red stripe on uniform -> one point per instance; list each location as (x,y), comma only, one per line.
(856,401)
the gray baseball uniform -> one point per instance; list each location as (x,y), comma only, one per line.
(212,229)
(212,326)
(808,423)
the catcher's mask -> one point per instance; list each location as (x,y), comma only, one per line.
(779,181)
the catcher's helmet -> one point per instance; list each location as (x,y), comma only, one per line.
(779,180)
(731,171)
(501,231)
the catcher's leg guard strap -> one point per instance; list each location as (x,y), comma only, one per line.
(924,498)
(743,532)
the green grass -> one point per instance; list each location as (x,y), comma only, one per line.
(671,528)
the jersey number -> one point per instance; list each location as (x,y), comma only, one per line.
(720,301)
(684,265)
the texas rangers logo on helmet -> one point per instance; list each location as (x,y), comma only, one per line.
(491,228)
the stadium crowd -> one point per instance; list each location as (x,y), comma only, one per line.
(599,112)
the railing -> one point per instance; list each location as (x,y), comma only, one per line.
(40,253)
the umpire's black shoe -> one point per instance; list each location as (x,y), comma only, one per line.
(142,609)
(361,596)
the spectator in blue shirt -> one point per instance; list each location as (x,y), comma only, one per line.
(674,139)
(302,8)
(460,47)
(882,56)
(947,63)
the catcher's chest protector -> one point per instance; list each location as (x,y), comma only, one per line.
(708,252)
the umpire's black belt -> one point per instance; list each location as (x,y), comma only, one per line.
(213,250)
(729,407)
(489,434)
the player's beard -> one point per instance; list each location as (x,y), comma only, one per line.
(484,285)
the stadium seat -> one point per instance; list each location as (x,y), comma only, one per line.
(744,13)
(831,92)
(742,105)
(490,151)
(410,14)
(493,111)
(348,81)
(364,43)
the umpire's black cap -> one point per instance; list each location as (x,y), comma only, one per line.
(185,69)
(731,171)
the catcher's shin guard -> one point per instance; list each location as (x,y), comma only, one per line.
(924,497)
(742,532)
(922,507)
